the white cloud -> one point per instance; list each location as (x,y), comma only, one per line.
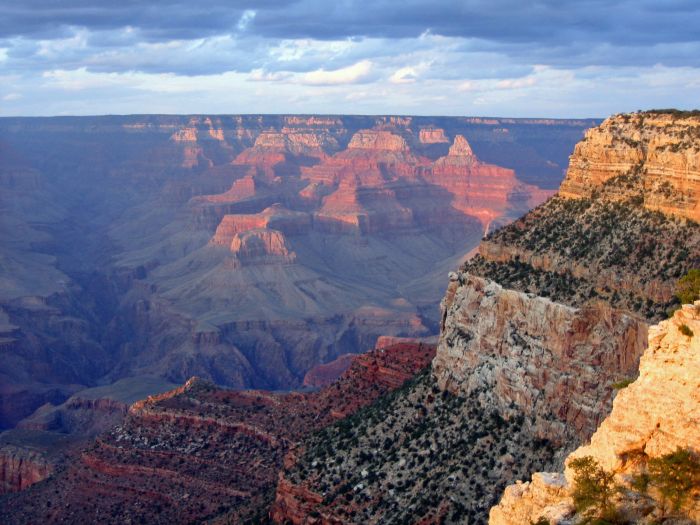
(12,96)
(260,75)
(516,83)
(405,75)
(245,19)
(346,75)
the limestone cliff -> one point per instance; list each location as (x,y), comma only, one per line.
(623,227)
(660,148)
(554,362)
(20,468)
(654,415)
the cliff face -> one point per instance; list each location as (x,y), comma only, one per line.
(535,331)
(20,468)
(554,362)
(661,150)
(623,226)
(654,415)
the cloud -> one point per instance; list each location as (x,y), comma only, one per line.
(516,83)
(354,74)
(407,55)
(405,75)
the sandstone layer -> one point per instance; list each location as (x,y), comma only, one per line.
(659,148)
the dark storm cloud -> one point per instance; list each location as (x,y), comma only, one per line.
(541,24)
(135,35)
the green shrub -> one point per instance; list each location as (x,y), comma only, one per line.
(674,475)
(623,383)
(688,287)
(685,330)
(594,488)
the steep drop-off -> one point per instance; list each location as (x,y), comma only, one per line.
(656,414)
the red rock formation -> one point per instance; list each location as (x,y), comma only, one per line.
(201,452)
(658,148)
(327,373)
(256,247)
(432,136)
(20,468)
(274,217)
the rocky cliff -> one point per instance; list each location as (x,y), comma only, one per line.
(621,231)
(21,468)
(656,414)
(537,331)
(555,363)
(657,150)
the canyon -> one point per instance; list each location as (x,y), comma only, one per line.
(538,328)
(242,249)
(552,343)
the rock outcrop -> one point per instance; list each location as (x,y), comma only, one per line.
(658,148)
(656,414)
(555,363)
(21,468)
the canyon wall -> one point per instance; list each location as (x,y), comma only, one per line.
(660,148)
(555,363)
(243,249)
(656,414)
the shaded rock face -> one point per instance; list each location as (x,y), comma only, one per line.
(21,468)
(117,236)
(661,150)
(554,362)
(200,452)
(654,415)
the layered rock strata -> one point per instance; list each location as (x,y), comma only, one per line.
(656,414)
(661,148)
(200,452)
(555,363)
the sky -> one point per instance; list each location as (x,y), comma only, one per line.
(514,58)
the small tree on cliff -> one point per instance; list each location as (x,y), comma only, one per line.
(675,476)
(594,488)
(688,287)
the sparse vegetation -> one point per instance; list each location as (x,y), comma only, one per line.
(668,482)
(592,246)
(675,476)
(404,455)
(624,383)
(685,330)
(594,489)
(688,287)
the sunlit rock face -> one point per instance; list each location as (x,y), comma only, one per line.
(659,151)
(656,414)
(552,361)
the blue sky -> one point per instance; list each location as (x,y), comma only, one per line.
(587,58)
